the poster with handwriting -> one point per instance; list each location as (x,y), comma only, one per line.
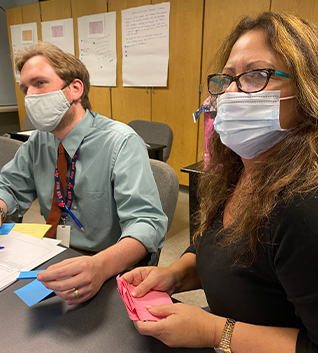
(97,47)
(145,45)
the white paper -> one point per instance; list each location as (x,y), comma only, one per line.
(26,132)
(59,33)
(145,45)
(23,253)
(97,47)
(21,36)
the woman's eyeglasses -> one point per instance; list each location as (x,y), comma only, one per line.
(249,82)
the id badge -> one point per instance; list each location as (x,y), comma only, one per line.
(63,233)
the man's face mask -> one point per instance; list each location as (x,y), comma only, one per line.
(46,110)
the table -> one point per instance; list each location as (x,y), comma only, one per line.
(194,171)
(155,151)
(20,135)
(99,325)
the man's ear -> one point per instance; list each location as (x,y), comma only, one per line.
(77,89)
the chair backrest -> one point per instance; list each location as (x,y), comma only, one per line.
(154,132)
(168,187)
(8,148)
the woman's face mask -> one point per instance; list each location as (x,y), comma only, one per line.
(46,110)
(249,123)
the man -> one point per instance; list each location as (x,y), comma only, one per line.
(114,210)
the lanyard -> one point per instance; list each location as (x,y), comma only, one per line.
(65,204)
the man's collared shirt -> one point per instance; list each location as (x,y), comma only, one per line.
(115,194)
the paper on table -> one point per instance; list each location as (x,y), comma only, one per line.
(36,230)
(29,274)
(33,292)
(22,253)
(27,133)
(136,307)
(5,228)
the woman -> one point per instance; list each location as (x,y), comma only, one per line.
(256,252)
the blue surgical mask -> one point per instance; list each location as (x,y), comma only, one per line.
(46,110)
(248,123)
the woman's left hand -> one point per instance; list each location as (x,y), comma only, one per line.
(181,325)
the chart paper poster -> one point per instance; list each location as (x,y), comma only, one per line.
(59,33)
(97,47)
(145,45)
(22,36)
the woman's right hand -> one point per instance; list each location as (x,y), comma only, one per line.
(151,278)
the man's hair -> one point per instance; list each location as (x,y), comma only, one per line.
(291,167)
(66,65)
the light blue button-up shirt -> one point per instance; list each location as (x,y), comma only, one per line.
(115,194)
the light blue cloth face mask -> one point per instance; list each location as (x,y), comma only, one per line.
(46,110)
(248,123)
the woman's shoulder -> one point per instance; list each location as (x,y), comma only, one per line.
(295,220)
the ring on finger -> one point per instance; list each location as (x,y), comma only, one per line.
(76,293)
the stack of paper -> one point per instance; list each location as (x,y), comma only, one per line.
(23,252)
(136,307)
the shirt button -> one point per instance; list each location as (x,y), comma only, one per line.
(75,208)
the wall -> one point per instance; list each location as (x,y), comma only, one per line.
(197,28)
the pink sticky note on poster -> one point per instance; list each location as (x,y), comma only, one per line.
(136,307)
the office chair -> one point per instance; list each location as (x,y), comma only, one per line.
(154,132)
(8,148)
(168,187)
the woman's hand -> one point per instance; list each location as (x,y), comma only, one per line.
(182,326)
(147,278)
(81,273)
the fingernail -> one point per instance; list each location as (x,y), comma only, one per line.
(149,306)
(135,293)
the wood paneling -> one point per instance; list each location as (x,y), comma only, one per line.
(55,10)
(307,9)
(175,104)
(219,18)
(128,103)
(99,96)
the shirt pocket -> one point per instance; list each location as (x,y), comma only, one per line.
(95,207)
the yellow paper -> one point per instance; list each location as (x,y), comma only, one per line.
(35,230)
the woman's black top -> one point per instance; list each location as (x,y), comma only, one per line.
(280,288)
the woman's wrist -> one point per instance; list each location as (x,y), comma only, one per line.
(185,273)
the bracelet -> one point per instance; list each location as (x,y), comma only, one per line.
(3,215)
(224,346)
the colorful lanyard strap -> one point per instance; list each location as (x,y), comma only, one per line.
(65,205)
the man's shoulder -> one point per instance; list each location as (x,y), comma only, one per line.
(106,124)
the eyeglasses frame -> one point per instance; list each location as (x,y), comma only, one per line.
(269,72)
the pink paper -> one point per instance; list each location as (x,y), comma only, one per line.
(136,307)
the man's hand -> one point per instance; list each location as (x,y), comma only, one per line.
(83,273)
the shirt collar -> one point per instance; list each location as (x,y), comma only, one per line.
(77,134)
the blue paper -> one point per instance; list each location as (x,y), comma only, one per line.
(5,228)
(33,292)
(28,274)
